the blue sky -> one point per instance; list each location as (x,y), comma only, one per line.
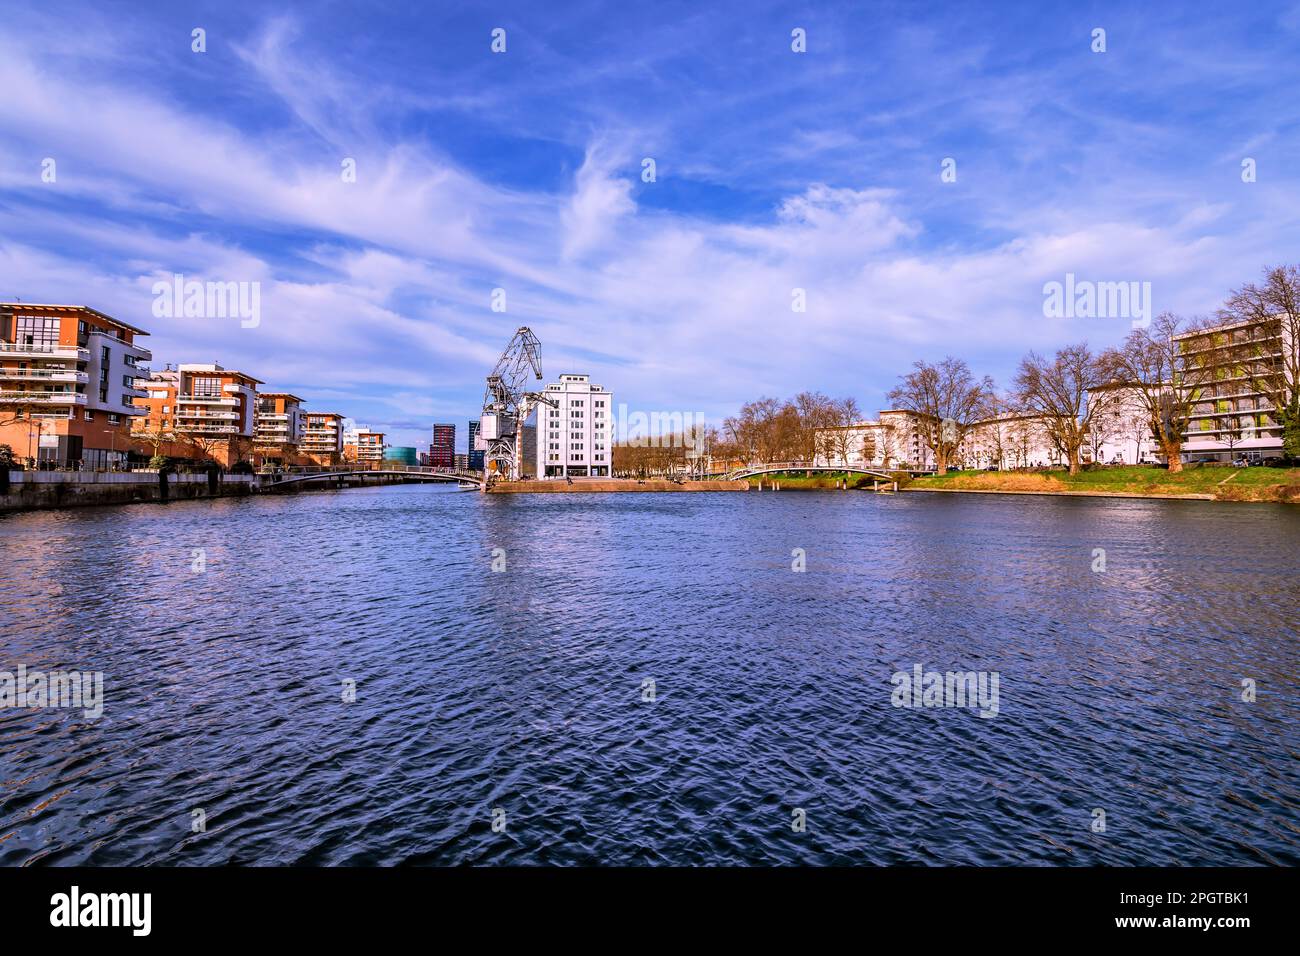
(522,171)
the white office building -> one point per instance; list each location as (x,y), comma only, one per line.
(575,438)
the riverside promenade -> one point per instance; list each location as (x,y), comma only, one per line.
(41,490)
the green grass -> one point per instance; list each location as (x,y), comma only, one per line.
(1229,484)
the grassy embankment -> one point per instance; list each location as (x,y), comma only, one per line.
(1225,484)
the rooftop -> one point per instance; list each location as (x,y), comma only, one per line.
(19,306)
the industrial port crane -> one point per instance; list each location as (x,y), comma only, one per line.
(507,404)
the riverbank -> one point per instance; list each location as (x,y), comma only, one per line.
(1193,482)
(585,485)
(40,490)
(45,490)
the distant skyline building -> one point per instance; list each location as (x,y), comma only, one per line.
(573,439)
(442,451)
(475,456)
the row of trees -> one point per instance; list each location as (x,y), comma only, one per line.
(797,429)
(1077,395)
(1076,398)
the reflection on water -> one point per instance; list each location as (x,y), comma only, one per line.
(523,690)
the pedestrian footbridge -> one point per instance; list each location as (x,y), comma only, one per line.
(295,476)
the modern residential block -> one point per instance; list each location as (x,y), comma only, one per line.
(1231,369)
(322,438)
(278,426)
(200,411)
(574,439)
(370,445)
(68,389)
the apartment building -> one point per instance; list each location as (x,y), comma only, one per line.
(476,454)
(1122,435)
(1226,368)
(322,438)
(893,440)
(199,411)
(369,445)
(68,390)
(574,439)
(442,451)
(897,439)
(278,427)
(1008,441)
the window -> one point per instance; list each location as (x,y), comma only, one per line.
(90,416)
(105,356)
(114,419)
(128,381)
(40,332)
(206,388)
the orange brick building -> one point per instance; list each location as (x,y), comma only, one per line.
(278,428)
(322,438)
(201,412)
(68,391)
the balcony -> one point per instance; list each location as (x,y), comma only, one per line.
(205,400)
(207,429)
(42,398)
(43,350)
(198,417)
(44,375)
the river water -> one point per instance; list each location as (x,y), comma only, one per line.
(649,680)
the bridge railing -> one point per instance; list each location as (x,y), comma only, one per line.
(362,467)
(763,466)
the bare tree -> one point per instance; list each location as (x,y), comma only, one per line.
(844,414)
(945,399)
(815,413)
(154,436)
(1059,392)
(1274,308)
(1150,365)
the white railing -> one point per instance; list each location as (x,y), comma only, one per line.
(45,374)
(44,348)
(42,398)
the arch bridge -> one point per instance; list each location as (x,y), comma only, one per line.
(754,470)
(300,475)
